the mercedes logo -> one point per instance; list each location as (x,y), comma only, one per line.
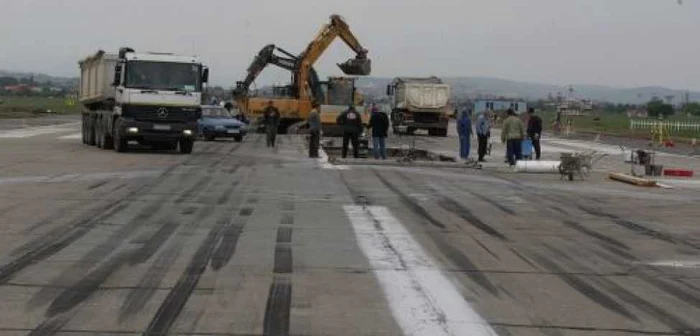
(162,112)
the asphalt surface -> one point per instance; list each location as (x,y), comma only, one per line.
(240,239)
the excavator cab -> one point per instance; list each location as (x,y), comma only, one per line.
(359,66)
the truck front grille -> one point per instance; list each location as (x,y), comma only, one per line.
(426,117)
(162,113)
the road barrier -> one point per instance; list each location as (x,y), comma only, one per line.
(667,125)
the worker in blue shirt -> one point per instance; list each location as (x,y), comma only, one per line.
(483,132)
(464,130)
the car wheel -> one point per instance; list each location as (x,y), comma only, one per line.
(238,138)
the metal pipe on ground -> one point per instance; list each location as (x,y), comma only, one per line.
(537,166)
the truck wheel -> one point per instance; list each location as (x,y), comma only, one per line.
(186,146)
(98,134)
(83,130)
(442,132)
(121,145)
(106,138)
(90,131)
(432,132)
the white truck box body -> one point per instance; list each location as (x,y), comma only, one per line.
(96,77)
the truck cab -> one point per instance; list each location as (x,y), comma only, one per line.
(153,98)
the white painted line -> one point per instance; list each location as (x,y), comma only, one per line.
(601,148)
(71,136)
(422,300)
(676,263)
(34,131)
(323,161)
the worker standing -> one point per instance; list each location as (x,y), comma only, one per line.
(271,117)
(512,133)
(352,127)
(534,131)
(314,130)
(483,133)
(379,123)
(464,130)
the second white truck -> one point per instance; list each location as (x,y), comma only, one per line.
(151,98)
(419,103)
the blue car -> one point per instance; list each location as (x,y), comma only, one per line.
(217,122)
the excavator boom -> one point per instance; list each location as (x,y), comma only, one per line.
(358,66)
(264,57)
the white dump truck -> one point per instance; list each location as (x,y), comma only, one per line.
(150,98)
(419,103)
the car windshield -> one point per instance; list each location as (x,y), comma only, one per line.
(163,76)
(216,112)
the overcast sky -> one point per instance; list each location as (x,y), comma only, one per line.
(608,42)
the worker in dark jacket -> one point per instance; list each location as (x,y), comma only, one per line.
(351,121)
(534,131)
(379,123)
(314,130)
(271,118)
(464,130)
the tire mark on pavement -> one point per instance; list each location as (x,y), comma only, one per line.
(590,329)
(463,262)
(632,226)
(277,308)
(171,307)
(223,199)
(283,259)
(287,219)
(224,251)
(97,185)
(284,235)
(137,298)
(585,288)
(194,189)
(97,253)
(82,290)
(493,203)
(466,214)
(523,258)
(279,299)
(51,326)
(227,247)
(580,228)
(57,239)
(450,252)
(410,203)
(53,217)
(494,255)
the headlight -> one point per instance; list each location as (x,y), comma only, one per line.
(132,130)
(187,132)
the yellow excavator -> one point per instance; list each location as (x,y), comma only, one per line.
(294,101)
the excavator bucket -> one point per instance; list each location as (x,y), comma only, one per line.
(356,67)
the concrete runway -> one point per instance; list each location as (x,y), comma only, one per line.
(240,239)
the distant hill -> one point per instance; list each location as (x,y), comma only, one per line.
(66,82)
(473,87)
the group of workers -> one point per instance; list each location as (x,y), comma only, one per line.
(513,133)
(351,122)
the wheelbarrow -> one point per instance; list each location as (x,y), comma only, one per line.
(579,164)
